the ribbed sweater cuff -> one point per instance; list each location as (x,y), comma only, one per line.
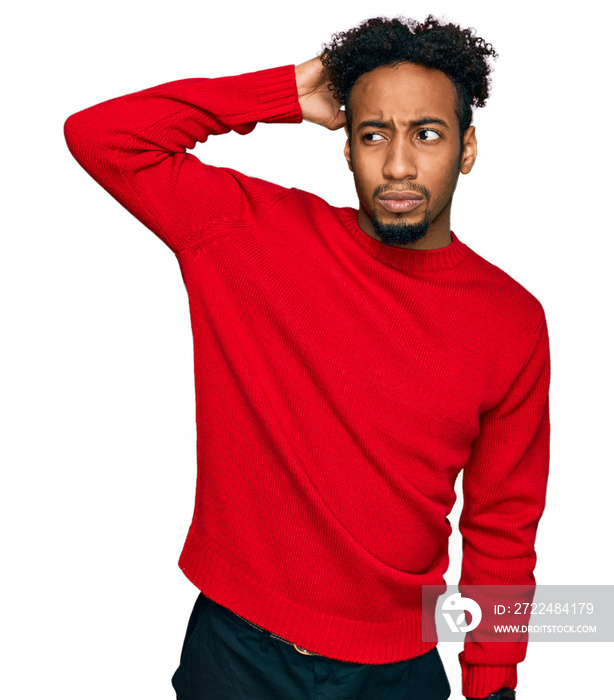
(481,681)
(277,95)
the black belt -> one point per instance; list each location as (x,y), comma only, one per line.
(280,639)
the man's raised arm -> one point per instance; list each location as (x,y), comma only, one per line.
(135,146)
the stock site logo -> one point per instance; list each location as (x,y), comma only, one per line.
(455,603)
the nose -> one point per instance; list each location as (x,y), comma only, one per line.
(400,163)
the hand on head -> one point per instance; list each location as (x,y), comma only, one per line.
(315,96)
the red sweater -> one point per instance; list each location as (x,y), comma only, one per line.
(341,386)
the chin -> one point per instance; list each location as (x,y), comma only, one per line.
(399,234)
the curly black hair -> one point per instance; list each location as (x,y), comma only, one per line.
(380,41)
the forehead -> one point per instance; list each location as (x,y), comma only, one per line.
(404,91)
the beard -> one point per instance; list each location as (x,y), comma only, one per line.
(401,234)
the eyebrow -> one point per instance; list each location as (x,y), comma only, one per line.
(378,124)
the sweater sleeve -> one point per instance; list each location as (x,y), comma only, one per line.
(135,147)
(504,486)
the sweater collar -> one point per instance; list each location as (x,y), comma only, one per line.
(407,259)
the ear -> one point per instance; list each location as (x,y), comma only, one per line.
(470,150)
(346,150)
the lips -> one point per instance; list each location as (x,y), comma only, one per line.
(400,201)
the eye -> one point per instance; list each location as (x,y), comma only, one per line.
(373,136)
(428,135)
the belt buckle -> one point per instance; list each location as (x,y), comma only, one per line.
(302,651)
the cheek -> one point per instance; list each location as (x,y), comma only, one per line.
(365,176)
(364,191)
(441,178)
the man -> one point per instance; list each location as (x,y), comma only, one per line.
(349,364)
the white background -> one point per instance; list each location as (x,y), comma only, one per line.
(98,435)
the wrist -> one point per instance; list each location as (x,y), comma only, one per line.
(302,76)
(479,680)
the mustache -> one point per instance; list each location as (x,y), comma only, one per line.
(410,186)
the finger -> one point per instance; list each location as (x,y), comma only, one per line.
(339,121)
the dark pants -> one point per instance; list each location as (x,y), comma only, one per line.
(225,658)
